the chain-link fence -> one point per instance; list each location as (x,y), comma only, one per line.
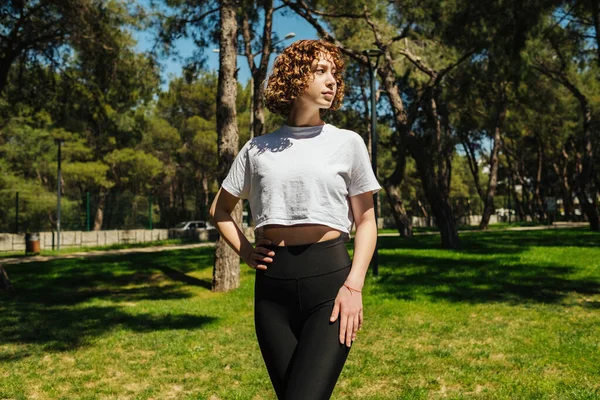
(23,211)
(34,212)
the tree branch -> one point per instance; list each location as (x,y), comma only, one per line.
(324,14)
(302,9)
(267,39)
(560,77)
(247,36)
(378,40)
(402,35)
(416,60)
(200,17)
(449,68)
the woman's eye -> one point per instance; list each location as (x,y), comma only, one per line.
(319,71)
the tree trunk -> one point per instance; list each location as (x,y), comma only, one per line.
(518,205)
(258,127)
(537,195)
(436,196)
(528,203)
(259,73)
(424,212)
(99,219)
(585,189)
(525,204)
(567,198)
(392,189)
(205,196)
(586,195)
(402,219)
(590,211)
(440,207)
(226,272)
(488,201)
(473,166)
(199,209)
(562,171)
(515,194)
(5,285)
(585,162)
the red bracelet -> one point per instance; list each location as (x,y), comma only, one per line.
(352,289)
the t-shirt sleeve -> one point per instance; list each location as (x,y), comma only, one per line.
(237,182)
(362,178)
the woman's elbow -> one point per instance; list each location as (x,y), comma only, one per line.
(213,211)
(223,203)
(215,215)
(365,219)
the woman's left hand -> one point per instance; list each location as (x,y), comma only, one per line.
(348,306)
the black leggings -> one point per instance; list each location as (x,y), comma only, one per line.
(293,302)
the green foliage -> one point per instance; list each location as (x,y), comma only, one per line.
(88,174)
(188,98)
(202,144)
(125,138)
(28,151)
(37,204)
(133,169)
(160,138)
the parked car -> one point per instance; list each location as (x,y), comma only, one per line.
(191,225)
(196,231)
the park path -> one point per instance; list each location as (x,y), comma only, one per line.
(96,253)
(154,249)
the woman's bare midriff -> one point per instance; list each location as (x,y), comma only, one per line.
(282,235)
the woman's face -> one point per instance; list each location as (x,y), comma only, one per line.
(322,87)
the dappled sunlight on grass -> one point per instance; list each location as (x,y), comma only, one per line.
(531,270)
(63,304)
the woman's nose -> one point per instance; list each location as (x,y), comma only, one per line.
(331,80)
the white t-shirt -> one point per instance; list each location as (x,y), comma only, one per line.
(302,175)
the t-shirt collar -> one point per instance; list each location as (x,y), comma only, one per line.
(303,131)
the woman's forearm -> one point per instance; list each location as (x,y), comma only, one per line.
(365,241)
(232,234)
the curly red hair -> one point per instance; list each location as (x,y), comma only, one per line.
(292,73)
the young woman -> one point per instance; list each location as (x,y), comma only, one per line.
(307,183)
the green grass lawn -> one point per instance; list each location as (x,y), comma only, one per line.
(496,226)
(513,315)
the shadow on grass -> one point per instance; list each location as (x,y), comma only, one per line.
(13,356)
(47,306)
(487,269)
(502,241)
(60,329)
(179,276)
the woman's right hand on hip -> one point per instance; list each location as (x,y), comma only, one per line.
(261,256)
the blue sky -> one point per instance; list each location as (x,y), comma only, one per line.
(282,25)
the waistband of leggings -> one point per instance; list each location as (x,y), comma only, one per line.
(308,246)
(306,260)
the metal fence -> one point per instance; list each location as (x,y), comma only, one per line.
(25,212)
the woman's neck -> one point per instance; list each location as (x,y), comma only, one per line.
(299,117)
